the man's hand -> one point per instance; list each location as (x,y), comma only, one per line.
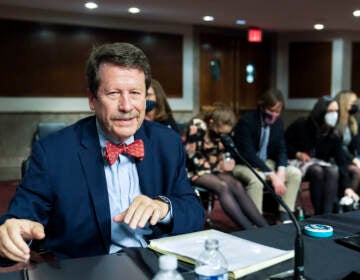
(278,184)
(227,165)
(281,173)
(13,234)
(141,210)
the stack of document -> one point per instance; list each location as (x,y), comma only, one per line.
(243,256)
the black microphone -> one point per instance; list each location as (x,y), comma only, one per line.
(299,243)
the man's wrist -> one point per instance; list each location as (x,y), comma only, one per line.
(168,215)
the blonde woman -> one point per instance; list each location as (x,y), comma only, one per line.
(349,129)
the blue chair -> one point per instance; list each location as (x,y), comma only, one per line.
(45,128)
(42,129)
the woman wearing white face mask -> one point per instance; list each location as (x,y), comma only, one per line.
(312,142)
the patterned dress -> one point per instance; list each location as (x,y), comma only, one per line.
(204,150)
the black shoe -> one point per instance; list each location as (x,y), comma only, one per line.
(284,217)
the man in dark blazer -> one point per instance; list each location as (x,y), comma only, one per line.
(259,137)
(84,198)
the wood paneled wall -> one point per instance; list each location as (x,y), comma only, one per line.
(224,56)
(309,69)
(48,60)
(355,71)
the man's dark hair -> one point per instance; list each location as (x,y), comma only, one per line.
(121,54)
(270,98)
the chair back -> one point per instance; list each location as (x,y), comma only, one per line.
(45,128)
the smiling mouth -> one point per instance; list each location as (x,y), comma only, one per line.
(123,120)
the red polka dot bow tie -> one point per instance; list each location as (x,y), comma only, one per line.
(135,149)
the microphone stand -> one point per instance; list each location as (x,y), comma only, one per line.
(299,243)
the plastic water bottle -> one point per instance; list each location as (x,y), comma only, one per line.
(211,264)
(168,265)
(227,156)
(300,213)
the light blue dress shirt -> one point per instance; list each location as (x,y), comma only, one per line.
(122,182)
(123,186)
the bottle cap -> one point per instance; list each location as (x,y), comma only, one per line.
(167,262)
(318,230)
(211,244)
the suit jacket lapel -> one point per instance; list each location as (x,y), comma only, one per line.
(144,166)
(93,168)
(258,123)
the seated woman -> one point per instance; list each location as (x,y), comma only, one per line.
(313,142)
(158,108)
(349,128)
(209,168)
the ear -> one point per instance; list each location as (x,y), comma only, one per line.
(91,100)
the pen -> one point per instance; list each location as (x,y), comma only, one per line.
(26,272)
(26,268)
(282,275)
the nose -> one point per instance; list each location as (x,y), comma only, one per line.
(124,103)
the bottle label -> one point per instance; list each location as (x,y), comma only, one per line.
(206,272)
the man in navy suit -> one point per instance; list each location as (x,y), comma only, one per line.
(81,196)
(259,136)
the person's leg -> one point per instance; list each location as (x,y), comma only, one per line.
(331,182)
(253,186)
(243,200)
(292,181)
(226,198)
(315,176)
(355,172)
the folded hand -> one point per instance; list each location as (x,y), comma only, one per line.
(141,210)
